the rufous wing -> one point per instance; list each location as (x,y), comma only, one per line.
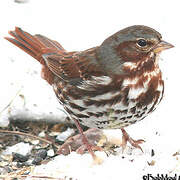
(74,65)
(64,66)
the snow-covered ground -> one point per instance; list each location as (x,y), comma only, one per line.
(79,25)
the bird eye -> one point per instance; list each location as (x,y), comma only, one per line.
(142,42)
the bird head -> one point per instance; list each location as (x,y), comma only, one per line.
(134,46)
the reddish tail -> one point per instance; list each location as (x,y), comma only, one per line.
(36,46)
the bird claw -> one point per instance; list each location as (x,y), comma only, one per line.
(83,148)
(126,138)
(135,143)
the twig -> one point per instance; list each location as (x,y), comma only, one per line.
(11,101)
(29,135)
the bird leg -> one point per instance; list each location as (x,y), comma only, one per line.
(87,145)
(126,138)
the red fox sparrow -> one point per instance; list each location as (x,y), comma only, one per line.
(110,86)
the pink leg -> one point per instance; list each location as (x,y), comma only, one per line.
(84,139)
(126,138)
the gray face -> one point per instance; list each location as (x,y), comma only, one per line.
(136,32)
(130,44)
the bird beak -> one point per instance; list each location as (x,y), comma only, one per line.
(163,45)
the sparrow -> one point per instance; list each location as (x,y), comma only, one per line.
(110,86)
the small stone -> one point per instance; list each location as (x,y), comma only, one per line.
(35,142)
(54,133)
(23,164)
(42,153)
(152,152)
(14,178)
(26,172)
(64,135)
(37,160)
(50,153)
(4,170)
(3,163)
(19,157)
(152,163)
(21,148)
(6,157)
(42,134)
(8,169)
(20,1)
(176,153)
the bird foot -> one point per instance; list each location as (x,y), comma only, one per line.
(76,143)
(83,148)
(126,138)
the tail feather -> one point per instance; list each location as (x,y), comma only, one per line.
(50,43)
(22,44)
(36,46)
